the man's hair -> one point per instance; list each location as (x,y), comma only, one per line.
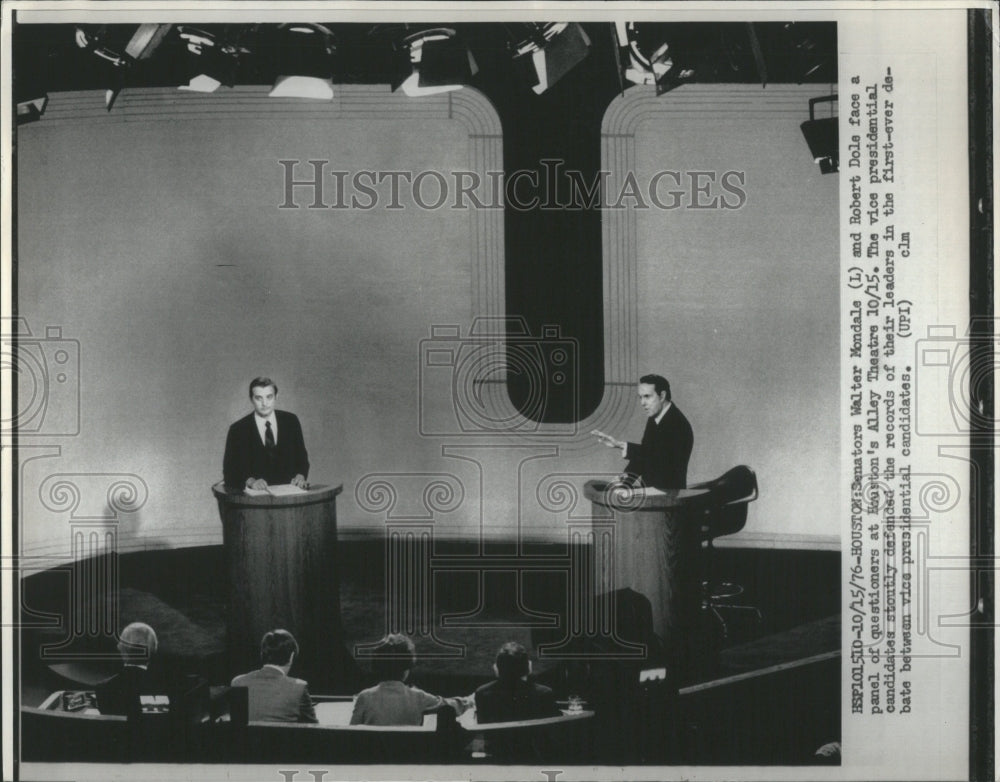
(138,643)
(277,646)
(393,657)
(262,382)
(512,661)
(658,382)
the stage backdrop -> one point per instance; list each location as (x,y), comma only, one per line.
(158,272)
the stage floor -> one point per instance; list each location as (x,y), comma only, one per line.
(181,593)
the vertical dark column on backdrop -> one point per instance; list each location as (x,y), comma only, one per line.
(553,245)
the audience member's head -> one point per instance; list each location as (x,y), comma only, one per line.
(393,658)
(137,643)
(512,662)
(278,647)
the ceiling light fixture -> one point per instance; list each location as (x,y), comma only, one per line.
(216,60)
(659,67)
(551,50)
(306,62)
(431,62)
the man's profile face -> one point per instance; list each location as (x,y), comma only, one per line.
(651,402)
(263,400)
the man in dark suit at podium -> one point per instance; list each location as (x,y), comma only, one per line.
(265,447)
(661,459)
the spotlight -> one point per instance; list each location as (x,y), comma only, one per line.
(660,67)
(31,110)
(306,62)
(432,61)
(811,51)
(823,137)
(94,39)
(146,40)
(97,40)
(674,78)
(551,50)
(120,49)
(30,95)
(217,60)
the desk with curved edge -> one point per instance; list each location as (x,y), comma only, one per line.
(650,545)
(49,734)
(281,555)
(563,739)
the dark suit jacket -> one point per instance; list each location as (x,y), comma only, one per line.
(246,456)
(661,459)
(274,697)
(120,694)
(500,702)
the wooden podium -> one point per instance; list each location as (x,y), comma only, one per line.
(281,558)
(647,542)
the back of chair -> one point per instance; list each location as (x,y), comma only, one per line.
(738,483)
(729,495)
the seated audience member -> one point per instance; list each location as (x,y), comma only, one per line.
(828,754)
(392,701)
(511,697)
(120,694)
(273,695)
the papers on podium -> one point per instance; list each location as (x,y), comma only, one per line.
(278,490)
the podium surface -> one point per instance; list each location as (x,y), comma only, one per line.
(649,542)
(319,493)
(282,572)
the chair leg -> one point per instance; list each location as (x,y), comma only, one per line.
(722,623)
(713,594)
(733,607)
(725,590)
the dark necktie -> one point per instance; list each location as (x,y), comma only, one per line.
(268,436)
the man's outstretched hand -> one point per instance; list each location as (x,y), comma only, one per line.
(607,439)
